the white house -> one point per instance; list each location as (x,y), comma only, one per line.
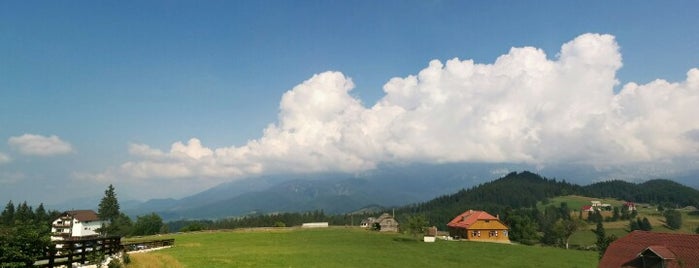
(75,224)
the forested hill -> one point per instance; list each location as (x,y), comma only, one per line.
(525,189)
(657,191)
(515,190)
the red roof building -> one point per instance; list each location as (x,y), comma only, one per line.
(479,226)
(76,224)
(649,249)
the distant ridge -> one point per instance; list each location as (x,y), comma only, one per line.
(407,188)
(525,189)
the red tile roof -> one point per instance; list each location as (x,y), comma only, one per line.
(464,220)
(83,215)
(678,250)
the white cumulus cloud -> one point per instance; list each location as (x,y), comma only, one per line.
(31,144)
(522,108)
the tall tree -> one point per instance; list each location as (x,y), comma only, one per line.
(41,215)
(24,213)
(108,210)
(601,239)
(148,224)
(109,206)
(633,225)
(645,225)
(523,228)
(416,225)
(673,219)
(566,228)
(8,215)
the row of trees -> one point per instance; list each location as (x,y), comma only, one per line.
(120,224)
(265,220)
(24,233)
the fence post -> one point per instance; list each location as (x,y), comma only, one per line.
(83,253)
(69,249)
(52,255)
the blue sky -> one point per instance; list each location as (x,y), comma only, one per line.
(120,83)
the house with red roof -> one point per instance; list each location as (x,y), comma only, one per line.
(630,206)
(76,224)
(478,225)
(650,249)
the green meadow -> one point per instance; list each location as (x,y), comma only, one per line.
(347,247)
(585,237)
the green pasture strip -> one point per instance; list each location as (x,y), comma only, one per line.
(353,247)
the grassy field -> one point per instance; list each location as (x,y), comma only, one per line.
(586,237)
(347,247)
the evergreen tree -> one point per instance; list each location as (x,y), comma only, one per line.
(633,214)
(565,211)
(8,215)
(601,239)
(40,214)
(23,214)
(673,219)
(633,225)
(122,225)
(109,206)
(108,210)
(615,215)
(645,225)
(625,215)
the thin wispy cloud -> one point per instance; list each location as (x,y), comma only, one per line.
(526,107)
(38,145)
(4,158)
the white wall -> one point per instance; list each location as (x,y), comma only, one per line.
(85,228)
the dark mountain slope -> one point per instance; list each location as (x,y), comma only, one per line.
(658,191)
(515,190)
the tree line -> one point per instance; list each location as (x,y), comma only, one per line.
(25,232)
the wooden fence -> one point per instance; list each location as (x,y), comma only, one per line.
(67,252)
(141,245)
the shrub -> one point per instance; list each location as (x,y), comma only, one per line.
(114,263)
(125,258)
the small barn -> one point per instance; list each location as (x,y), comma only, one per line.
(387,223)
(478,225)
(384,223)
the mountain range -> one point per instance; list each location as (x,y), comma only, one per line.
(331,192)
(337,193)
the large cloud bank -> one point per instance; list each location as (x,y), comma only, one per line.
(523,108)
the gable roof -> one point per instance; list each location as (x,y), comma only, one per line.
(675,249)
(468,218)
(83,215)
